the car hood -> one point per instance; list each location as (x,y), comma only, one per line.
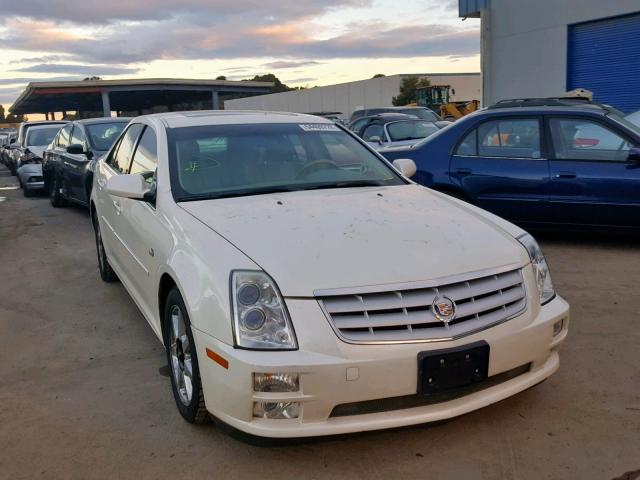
(328,239)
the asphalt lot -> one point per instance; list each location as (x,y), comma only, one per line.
(84,396)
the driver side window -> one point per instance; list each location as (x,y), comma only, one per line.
(120,157)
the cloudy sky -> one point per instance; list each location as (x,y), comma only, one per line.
(304,42)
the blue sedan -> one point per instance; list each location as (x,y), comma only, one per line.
(546,166)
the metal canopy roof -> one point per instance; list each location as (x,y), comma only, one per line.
(127,95)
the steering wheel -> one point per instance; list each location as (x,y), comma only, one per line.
(317,165)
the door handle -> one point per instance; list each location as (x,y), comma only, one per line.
(117,207)
(463,171)
(565,175)
(69,164)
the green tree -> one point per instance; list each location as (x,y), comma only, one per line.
(270,77)
(379,75)
(85,79)
(221,77)
(408,90)
(1,113)
(12,118)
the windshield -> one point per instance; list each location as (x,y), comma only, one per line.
(634,117)
(39,136)
(410,130)
(234,160)
(102,135)
(422,113)
(627,122)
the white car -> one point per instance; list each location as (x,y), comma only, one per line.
(302,286)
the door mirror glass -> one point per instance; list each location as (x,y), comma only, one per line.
(13,140)
(405,166)
(75,149)
(128,186)
(634,155)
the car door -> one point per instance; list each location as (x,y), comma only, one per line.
(74,165)
(500,166)
(109,206)
(57,155)
(141,229)
(593,182)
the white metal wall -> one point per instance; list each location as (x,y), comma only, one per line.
(347,97)
(524,43)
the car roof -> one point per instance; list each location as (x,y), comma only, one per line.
(45,122)
(564,110)
(231,117)
(388,116)
(93,121)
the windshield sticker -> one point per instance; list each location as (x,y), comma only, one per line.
(319,127)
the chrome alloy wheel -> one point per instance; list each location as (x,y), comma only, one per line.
(180,351)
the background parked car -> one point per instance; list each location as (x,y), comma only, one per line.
(420,112)
(16,152)
(555,165)
(29,164)
(388,130)
(70,159)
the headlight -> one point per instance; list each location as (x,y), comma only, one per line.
(260,318)
(540,268)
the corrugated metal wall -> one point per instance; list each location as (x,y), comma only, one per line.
(604,57)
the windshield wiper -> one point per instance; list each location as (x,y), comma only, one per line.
(283,189)
(239,193)
(345,184)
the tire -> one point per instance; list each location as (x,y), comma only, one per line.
(183,360)
(106,272)
(56,199)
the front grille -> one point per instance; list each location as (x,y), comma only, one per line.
(406,315)
(412,401)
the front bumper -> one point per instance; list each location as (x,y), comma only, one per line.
(31,177)
(334,373)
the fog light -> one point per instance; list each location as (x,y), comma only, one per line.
(557,327)
(275,382)
(276,410)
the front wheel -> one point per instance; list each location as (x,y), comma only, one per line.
(183,360)
(55,197)
(106,272)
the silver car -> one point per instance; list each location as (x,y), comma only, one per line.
(29,163)
(400,132)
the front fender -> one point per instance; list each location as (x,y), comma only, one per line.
(200,264)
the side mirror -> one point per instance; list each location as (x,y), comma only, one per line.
(13,140)
(375,139)
(75,149)
(128,186)
(634,155)
(405,166)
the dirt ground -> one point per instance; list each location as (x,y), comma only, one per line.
(83,394)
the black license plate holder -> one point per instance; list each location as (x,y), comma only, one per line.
(452,368)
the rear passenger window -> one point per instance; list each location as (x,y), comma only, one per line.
(145,159)
(512,138)
(120,157)
(469,145)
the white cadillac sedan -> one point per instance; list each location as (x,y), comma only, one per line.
(304,286)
